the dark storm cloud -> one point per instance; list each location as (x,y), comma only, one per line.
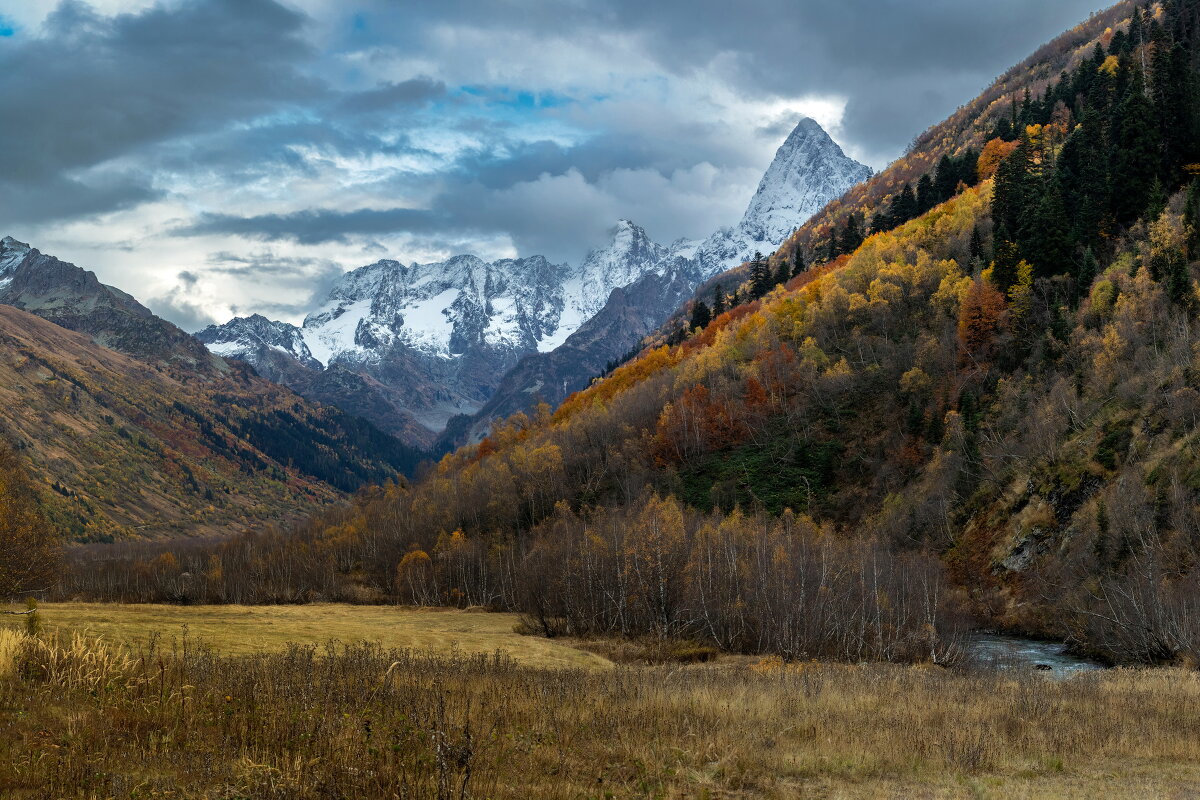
(902,64)
(318,225)
(92,88)
(391,96)
(60,197)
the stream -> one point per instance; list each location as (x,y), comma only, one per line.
(1012,652)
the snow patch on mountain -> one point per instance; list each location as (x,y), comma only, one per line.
(242,338)
(454,327)
(808,171)
(12,253)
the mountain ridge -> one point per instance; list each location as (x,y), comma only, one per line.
(99,394)
(461,328)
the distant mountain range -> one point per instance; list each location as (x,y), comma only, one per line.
(134,429)
(444,348)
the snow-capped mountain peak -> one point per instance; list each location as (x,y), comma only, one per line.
(12,253)
(439,309)
(629,256)
(808,171)
(243,337)
(441,336)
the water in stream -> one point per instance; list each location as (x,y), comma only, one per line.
(1012,652)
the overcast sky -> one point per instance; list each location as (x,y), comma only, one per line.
(223,157)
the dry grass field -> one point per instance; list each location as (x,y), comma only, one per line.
(243,630)
(90,718)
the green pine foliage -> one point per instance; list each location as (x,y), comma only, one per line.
(1099,151)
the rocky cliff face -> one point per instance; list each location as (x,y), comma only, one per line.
(432,342)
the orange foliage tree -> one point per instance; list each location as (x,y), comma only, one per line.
(980,319)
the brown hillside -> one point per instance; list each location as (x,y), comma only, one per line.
(123,448)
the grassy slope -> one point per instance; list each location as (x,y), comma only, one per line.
(242,630)
(92,422)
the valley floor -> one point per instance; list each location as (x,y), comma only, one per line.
(82,717)
(244,630)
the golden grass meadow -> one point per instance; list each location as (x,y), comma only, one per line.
(116,701)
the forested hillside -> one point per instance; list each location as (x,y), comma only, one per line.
(123,448)
(969,387)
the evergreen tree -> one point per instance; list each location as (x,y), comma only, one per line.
(1025,116)
(1005,262)
(1173,87)
(903,206)
(798,264)
(1050,244)
(761,278)
(1089,268)
(1137,26)
(1178,279)
(784,273)
(1135,159)
(1119,45)
(735,299)
(968,168)
(718,306)
(1014,196)
(926,196)
(1003,130)
(945,180)
(880,223)
(1191,219)
(833,246)
(852,235)
(976,249)
(1084,179)
(701,316)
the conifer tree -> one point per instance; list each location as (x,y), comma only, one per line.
(946,179)
(1088,269)
(904,206)
(718,306)
(1176,94)
(798,264)
(1013,197)
(968,168)
(761,279)
(976,249)
(1006,261)
(1084,180)
(784,273)
(1191,219)
(926,196)
(701,315)
(833,247)
(1137,25)
(1135,160)
(852,235)
(1051,244)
